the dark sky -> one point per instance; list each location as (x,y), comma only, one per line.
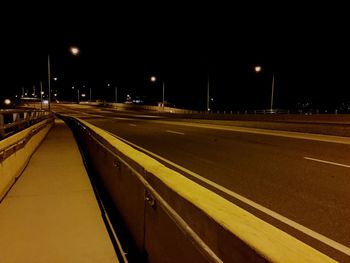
(305,47)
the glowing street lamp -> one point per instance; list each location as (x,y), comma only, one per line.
(49,80)
(154,79)
(258,70)
(75,51)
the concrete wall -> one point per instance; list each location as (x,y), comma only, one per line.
(16,150)
(172,219)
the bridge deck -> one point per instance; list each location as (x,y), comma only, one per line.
(51,214)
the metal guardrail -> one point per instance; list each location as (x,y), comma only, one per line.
(12,121)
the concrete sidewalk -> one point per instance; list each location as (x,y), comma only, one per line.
(51,214)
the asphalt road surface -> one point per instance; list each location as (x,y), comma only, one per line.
(300,185)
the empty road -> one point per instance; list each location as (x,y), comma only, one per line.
(299,183)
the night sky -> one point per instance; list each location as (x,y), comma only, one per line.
(305,47)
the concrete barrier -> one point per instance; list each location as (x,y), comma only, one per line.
(173,219)
(125,106)
(16,150)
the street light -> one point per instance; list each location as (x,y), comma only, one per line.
(49,80)
(154,79)
(75,51)
(208,95)
(257,70)
(41,95)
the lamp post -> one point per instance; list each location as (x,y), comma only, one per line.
(163,96)
(154,79)
(49,80)
(208,95)
(258,70)
(75,52)
(41,95)
(78,95)
(273,90)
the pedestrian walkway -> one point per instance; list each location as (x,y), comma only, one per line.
(51,214)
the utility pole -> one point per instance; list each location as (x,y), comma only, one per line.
(41,95)
(163,95)
(49,80)
(208,94)
(272,91)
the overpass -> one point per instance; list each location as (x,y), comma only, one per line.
(215,191)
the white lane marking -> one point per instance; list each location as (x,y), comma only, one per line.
(327,162)
(80,113)
(118,118)
(175,132)
(278,133)
(133,125)
(141,115)
(334,244)
(147,116)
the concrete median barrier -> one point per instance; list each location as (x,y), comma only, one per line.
(16,150)
(173,219)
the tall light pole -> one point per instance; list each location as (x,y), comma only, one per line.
(49,80)
(257,70)
(208,94)
(272,91)
(154,79)
(78,95)
(75,52)
(41,95)
(163,96)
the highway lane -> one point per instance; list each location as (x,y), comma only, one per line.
(305,181)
